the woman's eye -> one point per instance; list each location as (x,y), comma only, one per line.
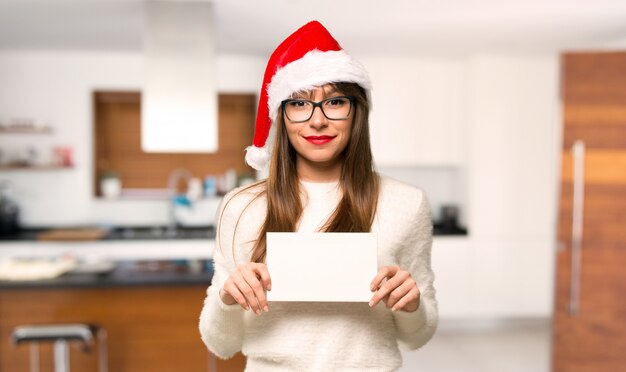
(296,104)
(335,102)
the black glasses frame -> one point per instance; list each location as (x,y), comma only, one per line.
(317,104)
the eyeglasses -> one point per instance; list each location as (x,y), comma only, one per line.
(333,108)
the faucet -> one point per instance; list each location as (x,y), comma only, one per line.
(172,186)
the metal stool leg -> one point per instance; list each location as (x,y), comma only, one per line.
(61,356)
(103,358)
(34,357)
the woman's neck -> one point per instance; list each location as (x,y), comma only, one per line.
(318,172)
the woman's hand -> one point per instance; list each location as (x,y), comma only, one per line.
(399,292)
(246,286)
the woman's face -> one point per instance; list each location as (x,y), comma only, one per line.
(320,141)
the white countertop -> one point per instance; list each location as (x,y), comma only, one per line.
(116,250)
(119,250)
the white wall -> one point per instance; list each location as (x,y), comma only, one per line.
(419,125)
(515,106)
(56,87)
(418,111)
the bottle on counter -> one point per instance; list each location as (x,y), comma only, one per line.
(230,179)
(227,181)
(210,186)
(9,211)
(194,189)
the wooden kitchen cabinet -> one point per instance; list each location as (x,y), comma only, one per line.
(150,328)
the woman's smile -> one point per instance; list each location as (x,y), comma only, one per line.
(319,140)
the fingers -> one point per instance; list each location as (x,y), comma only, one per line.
(395,278)
(383,272)
(253,291)
(399,292)
(261,270)
(402,295)
(410,302)
(246,285)
(230,289)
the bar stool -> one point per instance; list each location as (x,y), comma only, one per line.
(61,335)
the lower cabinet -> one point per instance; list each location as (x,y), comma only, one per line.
(452,265)
(500,278)
(149,328)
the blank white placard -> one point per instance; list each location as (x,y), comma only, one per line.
(333,267)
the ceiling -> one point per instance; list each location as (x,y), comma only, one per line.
(391,27)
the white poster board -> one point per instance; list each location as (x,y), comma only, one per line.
(334,267)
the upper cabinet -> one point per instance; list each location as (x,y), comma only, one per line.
(419,111)
(179,108)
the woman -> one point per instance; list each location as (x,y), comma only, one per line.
(314,109)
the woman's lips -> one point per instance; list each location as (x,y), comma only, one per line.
(319,140)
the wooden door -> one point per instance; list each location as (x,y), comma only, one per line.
(589,325)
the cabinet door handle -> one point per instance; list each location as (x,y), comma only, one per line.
(578,155)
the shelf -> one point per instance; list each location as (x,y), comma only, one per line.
(34,167)
(5,130)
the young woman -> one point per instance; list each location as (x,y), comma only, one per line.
(312,128)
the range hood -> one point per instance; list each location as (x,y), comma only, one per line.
(179,98)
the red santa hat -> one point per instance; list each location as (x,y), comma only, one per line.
(308,58)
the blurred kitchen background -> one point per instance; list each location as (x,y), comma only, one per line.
(107,218)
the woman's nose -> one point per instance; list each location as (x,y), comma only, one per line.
(318,120)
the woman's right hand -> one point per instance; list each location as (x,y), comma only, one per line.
(246,286)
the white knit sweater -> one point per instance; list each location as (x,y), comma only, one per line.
(324,336)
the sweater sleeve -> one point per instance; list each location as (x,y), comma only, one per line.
(417,328)
(221,325)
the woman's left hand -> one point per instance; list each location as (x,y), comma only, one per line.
(399,292)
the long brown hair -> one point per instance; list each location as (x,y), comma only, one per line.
(358,182)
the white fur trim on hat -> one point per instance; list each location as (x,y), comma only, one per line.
(314,69)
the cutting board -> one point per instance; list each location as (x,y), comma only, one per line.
(72,234)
